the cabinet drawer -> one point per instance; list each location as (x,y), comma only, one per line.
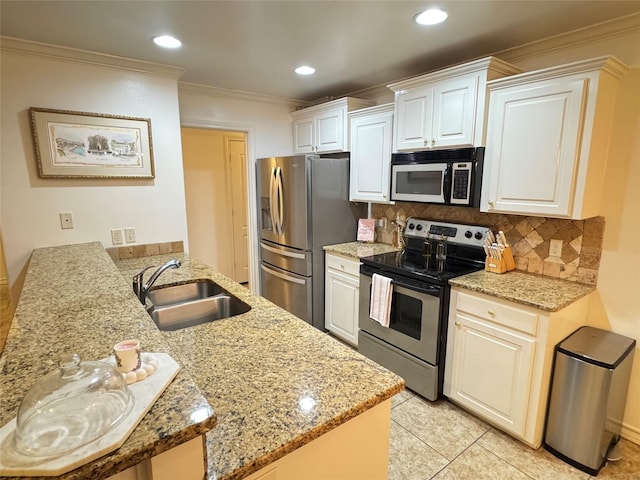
(343,264)
(499,313)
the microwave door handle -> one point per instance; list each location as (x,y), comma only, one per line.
(446,184)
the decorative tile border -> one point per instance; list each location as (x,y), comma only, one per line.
(530,237)
(137,251)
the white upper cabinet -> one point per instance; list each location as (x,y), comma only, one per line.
(370,146)
(547,140)
(323,128)
(446,108)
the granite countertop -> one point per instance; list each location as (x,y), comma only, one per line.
(545,293)
(276,382)
(359,249)
(75,300)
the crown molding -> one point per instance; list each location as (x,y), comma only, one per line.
(612,29)
(24,47)
(239,94)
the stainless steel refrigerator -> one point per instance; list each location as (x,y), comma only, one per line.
(303,206)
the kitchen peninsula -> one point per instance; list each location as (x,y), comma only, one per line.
(267,385)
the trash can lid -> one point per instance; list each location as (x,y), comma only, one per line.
(597,346)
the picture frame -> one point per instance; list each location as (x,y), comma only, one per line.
(72,144)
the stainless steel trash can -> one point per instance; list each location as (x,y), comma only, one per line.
(588,396)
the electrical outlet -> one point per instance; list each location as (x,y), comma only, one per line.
(66,220)
(555,248)
(130,234)
(116,236)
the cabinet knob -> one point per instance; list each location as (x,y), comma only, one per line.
(426,143)
(433,142)
(457,324)
(342,266)
(490,203)
(491,313)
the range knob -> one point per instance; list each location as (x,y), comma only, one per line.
(419,227)
(468,234)
(479,235)
(411,226)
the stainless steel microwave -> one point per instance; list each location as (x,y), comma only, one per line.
(448,177)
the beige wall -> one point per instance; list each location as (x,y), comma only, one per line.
(30,205)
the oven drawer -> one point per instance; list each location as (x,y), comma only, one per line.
(347,265)
(496,312)
(419,376)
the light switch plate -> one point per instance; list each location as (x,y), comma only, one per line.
(116,236)
(130,235)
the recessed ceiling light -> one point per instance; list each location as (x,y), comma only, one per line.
(305,70)
(431,17)
(167,41)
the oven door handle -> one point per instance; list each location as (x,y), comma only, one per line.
(423,287)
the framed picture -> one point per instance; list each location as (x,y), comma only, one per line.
(91,145)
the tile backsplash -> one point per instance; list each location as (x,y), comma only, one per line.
(137,251)
(530,237)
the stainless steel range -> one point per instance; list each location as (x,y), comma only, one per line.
(413,344)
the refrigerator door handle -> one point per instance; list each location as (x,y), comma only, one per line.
(279,189)
(284,253)
(272,206)
(282,276)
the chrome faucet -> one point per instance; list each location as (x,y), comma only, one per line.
(141,288)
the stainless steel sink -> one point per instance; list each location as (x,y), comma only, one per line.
(187,304)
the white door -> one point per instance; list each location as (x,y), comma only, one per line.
(454,112)
(238,173)
(532,148)
(491,371)
(370,157)
(414,122)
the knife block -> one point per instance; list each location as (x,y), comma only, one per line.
(500,265)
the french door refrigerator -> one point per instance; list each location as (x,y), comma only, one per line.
(303,206)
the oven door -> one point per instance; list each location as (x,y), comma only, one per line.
(414,324)
(425,182)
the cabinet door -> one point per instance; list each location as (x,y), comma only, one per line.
(491,371)
(415,111)
(342,296)
(330,130)
(304,135)
(532,149)
(454,112)
(370,157)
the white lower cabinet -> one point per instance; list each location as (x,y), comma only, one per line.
(186,462)
(342,292)
(500,357)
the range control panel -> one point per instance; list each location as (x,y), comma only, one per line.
(472,235)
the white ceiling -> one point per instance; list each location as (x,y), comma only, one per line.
(254,46)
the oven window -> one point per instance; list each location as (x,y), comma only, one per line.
(406,315)
(419,182)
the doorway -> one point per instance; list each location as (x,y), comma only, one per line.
(216,199)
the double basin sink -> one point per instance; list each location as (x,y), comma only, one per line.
(186,304)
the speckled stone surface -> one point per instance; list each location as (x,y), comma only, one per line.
(545,293)
(275,382)
(75,300)
(359,249)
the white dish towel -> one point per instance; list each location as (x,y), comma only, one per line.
(380,305)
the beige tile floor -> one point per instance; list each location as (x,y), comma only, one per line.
(438,440)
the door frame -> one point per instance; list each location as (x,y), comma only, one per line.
(252,218)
